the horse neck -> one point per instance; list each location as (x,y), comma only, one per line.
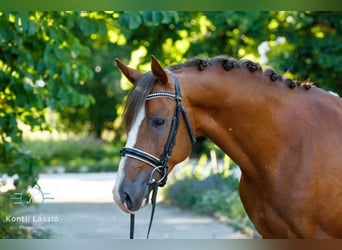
(240,112)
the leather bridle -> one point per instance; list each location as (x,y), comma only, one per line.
(160,164)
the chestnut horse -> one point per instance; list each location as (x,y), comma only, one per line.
(285,136)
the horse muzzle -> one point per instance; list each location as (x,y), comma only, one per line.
(130,197)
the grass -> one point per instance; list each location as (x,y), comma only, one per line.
(84,154)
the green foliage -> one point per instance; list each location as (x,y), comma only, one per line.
(41,65)
(134,20)
(312,41)
(214,195)
(208,187)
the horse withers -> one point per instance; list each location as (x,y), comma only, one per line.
(285,136)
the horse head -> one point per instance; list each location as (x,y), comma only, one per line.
(156,123)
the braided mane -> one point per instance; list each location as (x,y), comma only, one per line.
(145,84)
(229,63)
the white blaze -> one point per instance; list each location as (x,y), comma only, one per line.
(131,140)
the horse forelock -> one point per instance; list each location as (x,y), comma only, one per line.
(136,98)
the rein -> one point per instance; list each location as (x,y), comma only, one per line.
(160,164)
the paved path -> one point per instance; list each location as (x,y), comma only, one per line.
(84,208)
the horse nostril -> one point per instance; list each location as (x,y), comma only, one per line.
(127,199)
(132,195)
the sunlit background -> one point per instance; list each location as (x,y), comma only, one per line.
(62,97)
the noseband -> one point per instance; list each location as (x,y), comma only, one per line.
(160,164)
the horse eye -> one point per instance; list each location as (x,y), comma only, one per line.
(158,122)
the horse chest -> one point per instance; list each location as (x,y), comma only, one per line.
(263,212)
(283,215)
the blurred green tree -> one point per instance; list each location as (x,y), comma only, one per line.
(41,66)
(310,46)
(64,62)
(174,36)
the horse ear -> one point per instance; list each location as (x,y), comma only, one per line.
(158,71)
(131,74)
